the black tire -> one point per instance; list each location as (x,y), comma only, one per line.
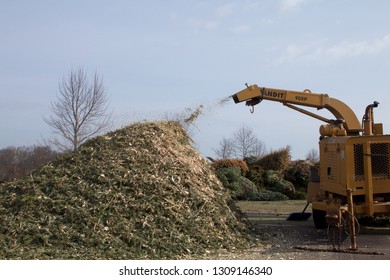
(319,219)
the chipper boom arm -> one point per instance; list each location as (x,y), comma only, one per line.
(254,94)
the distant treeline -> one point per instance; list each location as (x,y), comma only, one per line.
(15,162)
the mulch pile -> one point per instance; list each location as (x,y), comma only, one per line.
(141,192)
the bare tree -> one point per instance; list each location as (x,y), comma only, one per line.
(258,149)
(312,156)
(246,143)
(15,162)
(243,144)
(80,110)
(226,148)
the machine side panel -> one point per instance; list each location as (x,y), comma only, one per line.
(333,165)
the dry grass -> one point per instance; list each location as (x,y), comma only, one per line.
(277,207)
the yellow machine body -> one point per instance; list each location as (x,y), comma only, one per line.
(358,163)
(354,156)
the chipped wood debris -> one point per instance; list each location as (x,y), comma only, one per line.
(141,192)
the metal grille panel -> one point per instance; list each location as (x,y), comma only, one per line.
(358,161)
(379,161)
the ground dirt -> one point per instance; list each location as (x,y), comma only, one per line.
(281,239)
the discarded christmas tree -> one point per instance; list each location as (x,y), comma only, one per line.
(141,192)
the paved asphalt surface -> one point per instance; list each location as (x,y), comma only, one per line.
(301,240)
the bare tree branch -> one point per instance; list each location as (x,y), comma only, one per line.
(246,144)
(312,156)
(80,110)
(243,144)
(226,149)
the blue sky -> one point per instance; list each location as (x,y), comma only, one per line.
(161,57)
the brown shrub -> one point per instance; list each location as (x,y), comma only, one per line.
(276,160)
(224,163)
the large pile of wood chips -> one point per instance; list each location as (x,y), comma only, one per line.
(142,192)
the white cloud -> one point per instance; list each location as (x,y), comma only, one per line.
(173,16)
(242,28)
(317,51)
(264,22)
(202,24)
(295,52)
(252,5)
(290,4)
(225,10)
(357,48)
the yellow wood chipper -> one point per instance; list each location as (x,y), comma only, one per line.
(353,176)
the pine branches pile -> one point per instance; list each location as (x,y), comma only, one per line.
(141,192)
